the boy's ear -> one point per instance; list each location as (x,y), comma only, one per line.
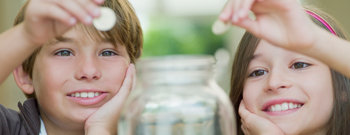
(23,80)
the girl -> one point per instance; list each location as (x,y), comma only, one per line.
(285,92)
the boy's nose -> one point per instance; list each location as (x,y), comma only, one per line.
(88,69)
(277,81)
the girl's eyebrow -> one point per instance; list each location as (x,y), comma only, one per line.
(255,56)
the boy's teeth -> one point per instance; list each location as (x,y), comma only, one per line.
(283,107)
(90,94)
(85,94)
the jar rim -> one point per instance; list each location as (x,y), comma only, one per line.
(177,62)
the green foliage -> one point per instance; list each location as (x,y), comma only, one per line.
(180,36)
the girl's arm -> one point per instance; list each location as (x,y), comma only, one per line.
(44,20)
(285,24)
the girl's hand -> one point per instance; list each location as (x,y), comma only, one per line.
(281,22)
(253,124)
(46,19)
(105,119)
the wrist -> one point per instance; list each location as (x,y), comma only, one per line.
(100,130)
(28,37)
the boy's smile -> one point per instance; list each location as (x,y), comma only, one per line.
(75,75)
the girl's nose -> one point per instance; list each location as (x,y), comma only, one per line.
(278,81)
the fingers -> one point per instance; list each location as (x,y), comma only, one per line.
(249,24)
(57,13)
(244,9)
(118,100)
(227,12)
(242,111)
(83,10)
(128,83)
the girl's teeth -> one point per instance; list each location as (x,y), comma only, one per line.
(273,108)
(85,94)
(283,107)
(278,107)
(291,106)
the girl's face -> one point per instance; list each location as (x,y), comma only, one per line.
(291,90)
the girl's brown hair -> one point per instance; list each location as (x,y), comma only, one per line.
(340,120)
(127,32)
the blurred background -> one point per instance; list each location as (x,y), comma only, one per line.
(173,27)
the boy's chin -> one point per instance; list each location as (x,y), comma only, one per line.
(82,115)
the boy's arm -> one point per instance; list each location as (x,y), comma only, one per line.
(285,24)
(15,47)
(44,20)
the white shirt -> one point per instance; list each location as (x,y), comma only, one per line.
(42,128)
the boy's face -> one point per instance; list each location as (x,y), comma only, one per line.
(75,76)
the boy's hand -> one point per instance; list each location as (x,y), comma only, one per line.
(253,124)
(281,22)
(46,19)
(105,119)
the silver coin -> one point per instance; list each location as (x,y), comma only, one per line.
(219,27)
(106,21)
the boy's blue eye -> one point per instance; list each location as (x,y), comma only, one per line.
(64,53)
(256,73)
(108,53)
(300,65)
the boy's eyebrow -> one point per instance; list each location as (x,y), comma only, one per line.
(60,39)
(64,39)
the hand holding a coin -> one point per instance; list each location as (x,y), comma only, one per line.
(281,22)
(46,19)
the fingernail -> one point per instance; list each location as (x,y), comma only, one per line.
(99,1)
(223,15)
(241,14)
(72,21)
(234,18)
(88,19)
(96,12)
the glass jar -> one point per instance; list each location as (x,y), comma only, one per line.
(178,96)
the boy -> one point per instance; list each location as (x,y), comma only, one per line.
(76,77)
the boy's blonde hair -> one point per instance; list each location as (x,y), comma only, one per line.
(127,32)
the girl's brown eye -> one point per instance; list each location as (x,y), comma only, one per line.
(300,65)
(257,73)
